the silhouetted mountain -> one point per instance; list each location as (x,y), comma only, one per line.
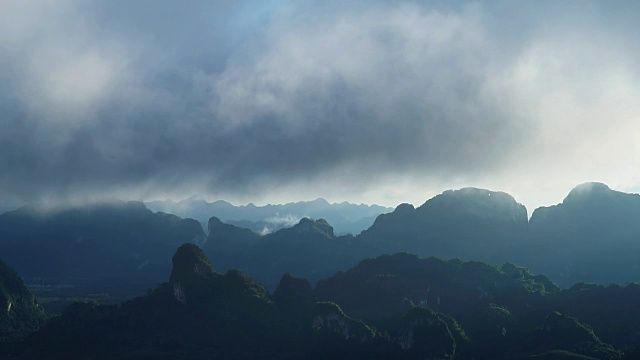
(345,217)
(230,234)
(469,223)
(117,240)
(309,249)
(20,313)
(593,235)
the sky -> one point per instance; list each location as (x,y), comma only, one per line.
(261,101)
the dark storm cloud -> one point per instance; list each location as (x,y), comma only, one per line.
(153,97)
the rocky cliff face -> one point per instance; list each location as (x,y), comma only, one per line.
(423,332)
(328,316)
(191,269)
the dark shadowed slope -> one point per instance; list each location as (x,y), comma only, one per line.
(490,312)
(203,314)
(309,249)
(593,235)
(20,313)
(469,223)
(422,309)
(117,240)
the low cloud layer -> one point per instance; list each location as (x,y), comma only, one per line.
(378,101)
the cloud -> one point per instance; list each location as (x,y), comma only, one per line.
(394,87)
(576,89)
(364,101)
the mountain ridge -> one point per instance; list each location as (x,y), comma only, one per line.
(345,217)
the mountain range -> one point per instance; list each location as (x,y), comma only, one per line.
(344,217)
(592,236)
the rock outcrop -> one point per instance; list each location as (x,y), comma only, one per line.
(20,313)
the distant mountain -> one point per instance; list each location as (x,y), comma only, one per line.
(309,249)
(114,241)
(469,223)
(20,313)
(344,217)
(591,209)
(593,235)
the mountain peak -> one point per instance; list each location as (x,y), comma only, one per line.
(319,226)
(587,190)
(404,208)
(189,264)
(19,310)
(319,201)
(478,203)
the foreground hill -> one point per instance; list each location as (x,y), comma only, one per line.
(344,217)
(113,241)
(421,309)
(504,311)
(20,313)
(199,314)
